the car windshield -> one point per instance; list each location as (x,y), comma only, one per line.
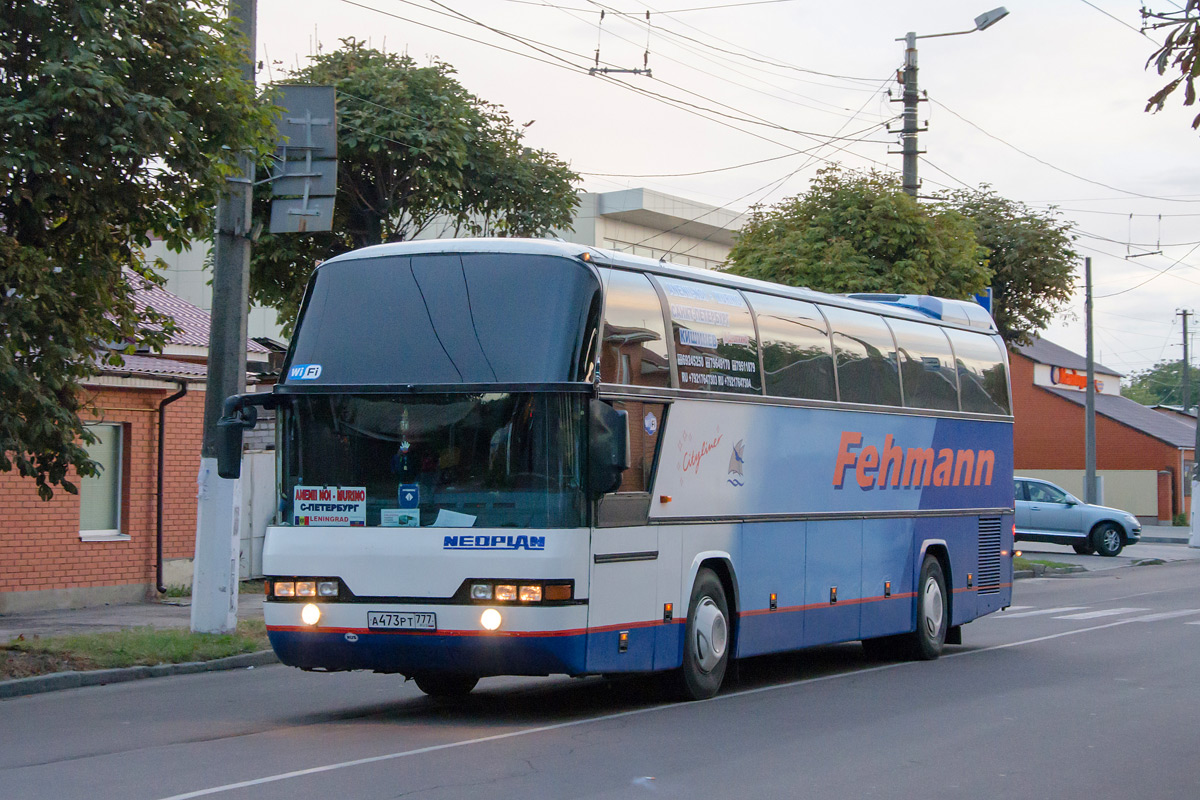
(509,460)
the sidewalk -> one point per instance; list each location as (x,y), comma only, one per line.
(1165,534)
(175,613)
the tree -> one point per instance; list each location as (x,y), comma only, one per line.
(115,124)
(1180,52)
(859,232)
(1029,253)
(415,149)
(1162,384)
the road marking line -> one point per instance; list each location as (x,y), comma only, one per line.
(1191,623)
(606,717)
(1006,611)
(1166,615)
(1041,611)
(513,734)
(1108,612)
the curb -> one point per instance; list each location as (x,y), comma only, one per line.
(100,677)
(1041,570)
(1164,539)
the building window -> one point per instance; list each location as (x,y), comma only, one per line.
(100,495)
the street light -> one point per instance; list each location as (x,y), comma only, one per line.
(908,134)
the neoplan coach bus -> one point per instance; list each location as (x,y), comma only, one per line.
(518,457)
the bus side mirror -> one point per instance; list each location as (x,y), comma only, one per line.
(608,447)
(237,417)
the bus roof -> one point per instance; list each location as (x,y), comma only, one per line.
(924,308)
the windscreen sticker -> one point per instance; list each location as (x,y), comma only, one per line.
(336,506)
(305,372)
(399,518)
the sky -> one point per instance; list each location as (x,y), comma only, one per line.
(1046,106)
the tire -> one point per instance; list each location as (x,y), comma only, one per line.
(1084,549)
(933,613)
(706,639)
(445,684)
(1107,539)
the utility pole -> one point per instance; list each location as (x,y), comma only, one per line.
(1187,377)
(908,134)
(912,96)
(215,568)
(1194,478)
(1089,478)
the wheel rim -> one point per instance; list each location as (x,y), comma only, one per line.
(1111,540)
(933,608)
(709,635)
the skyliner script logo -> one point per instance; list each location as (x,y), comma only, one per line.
(911,468)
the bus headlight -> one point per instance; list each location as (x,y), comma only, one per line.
(490,619)
(310,614)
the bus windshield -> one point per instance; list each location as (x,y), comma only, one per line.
(490,460)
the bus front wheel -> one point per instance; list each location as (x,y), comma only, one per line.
(706,639)
(445,684)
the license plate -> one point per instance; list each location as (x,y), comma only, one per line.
(402,620)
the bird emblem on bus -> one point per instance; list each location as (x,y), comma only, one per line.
(736,460)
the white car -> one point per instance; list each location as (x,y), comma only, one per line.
(1049,513)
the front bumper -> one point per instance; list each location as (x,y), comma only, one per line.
(530,641)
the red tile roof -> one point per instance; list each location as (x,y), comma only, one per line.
(192,323)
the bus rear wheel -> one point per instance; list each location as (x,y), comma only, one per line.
(933,613)
(444,684)
(706,639)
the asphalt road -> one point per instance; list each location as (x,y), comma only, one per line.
(1089,687)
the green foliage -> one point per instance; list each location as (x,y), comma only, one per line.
(1030,255)
(415,149)
(859,232)
(116,125)
(1180,52)
(1162,384)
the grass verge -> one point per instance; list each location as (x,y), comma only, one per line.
(146,646)
(1021,562)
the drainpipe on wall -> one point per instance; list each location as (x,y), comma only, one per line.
(162,455)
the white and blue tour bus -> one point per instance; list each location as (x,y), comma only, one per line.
(526,457)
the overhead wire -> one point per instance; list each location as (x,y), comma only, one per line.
(1151,278)
(837,111)
(675,102)
(1052,166)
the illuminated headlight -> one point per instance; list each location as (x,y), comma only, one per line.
(327,589)
(306,588)
(506,591)
(530,594)
(285,588)
(310,614)
(481,591)
(490,619)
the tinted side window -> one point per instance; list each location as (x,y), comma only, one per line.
(982,378)
(635,335)
(1041,493)
(715,346)
(866,357)
(797,359)
(1019,489)
(926,365)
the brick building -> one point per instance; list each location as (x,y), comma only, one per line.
(102,545)
(1142,457)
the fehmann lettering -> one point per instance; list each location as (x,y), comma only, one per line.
(909,468)
(494,542)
